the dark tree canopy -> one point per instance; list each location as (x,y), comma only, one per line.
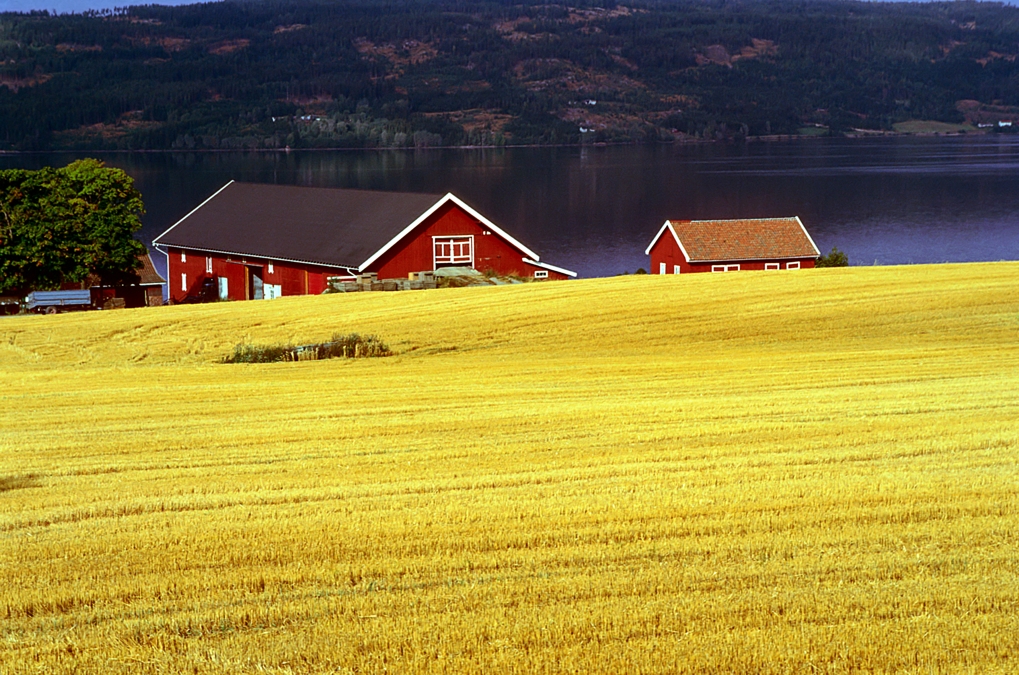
(68,225)
(413,73)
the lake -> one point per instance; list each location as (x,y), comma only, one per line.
(885,201)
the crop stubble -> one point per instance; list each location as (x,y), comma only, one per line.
(773,473)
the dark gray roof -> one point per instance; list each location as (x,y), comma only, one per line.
(318,225)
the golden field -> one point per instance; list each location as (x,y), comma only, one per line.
(802,472)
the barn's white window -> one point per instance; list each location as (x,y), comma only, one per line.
(725,268)
(208,264)
(183,281)
(183,256)
(541,274)
(793,265)
(772,266)
(675,269)
(453,251)
(661,268)
(270,268)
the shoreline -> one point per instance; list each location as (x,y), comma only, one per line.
(772,138)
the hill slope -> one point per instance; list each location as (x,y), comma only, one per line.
(364,73)
(743,473)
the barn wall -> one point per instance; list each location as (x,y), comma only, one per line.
(293,278)
(415,252)
(667,251)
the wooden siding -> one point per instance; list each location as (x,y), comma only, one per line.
(415,252)
(293,278)
(667,251)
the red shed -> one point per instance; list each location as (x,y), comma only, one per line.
(731,245)
(251,241)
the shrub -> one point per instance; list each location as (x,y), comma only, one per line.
(834,259)
(351,346)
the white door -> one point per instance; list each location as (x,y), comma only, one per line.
(661,268)
(224,289)
(453,251)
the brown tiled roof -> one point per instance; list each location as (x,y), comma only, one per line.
(148,273)
(317,225)
(764,238)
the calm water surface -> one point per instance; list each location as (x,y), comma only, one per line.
(594,210)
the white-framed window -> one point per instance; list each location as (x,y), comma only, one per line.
(183,256)
(675,269)
(208,264)
(453,251)
(183,281)
(661,268)
(725,268)
(541,274)
(793,265)
(772,266)
(270,268)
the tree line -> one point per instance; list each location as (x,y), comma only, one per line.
(402,73)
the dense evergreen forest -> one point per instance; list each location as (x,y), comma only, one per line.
(396,73)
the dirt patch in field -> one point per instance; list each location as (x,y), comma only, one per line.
(720,56)
(588,120)
(582,18)
(16,83)
(475,119)
(288,29)
(406,53)
(228,46)
(600,13)
(996,56)
(70,47)
(508,29)
(947,48)
(169,44)
(563,75)
(125,124)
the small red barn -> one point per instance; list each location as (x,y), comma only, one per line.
(251,241)
(683,246)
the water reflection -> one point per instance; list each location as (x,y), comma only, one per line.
(594,209)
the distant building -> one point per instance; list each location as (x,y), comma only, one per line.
(147,291)
(250,241)
(683,246)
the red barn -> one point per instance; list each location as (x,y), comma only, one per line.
(683,246)
(250,241)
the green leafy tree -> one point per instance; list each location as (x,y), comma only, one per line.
(68,225)
(835,258)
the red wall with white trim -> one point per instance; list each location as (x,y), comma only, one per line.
(667,251)
(415,252)
(293,278)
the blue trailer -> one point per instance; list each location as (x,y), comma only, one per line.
(52,302)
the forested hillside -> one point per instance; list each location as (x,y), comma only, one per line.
(305,73)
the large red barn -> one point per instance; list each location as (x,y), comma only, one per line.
(683,246)
(252,241)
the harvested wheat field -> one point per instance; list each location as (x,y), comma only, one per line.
(808,472)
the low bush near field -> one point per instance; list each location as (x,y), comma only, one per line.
(351,346)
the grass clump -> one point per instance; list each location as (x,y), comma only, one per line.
(350,346)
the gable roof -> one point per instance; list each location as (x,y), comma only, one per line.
(342,228)
(148,276)
(744,239)
(450,197)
